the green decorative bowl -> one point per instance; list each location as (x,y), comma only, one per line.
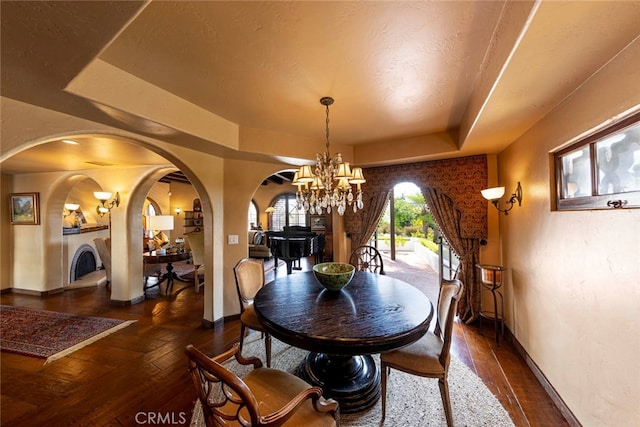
(334,276)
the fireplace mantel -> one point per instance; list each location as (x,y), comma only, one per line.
(93,229)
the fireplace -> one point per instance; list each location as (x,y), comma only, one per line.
(83,262)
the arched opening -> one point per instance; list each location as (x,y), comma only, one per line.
(49,249)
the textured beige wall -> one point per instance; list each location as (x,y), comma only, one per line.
(242,179)
(6,235)
(574,292)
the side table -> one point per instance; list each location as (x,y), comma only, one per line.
(492,277)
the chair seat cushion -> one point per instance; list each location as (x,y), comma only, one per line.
(250,319)
(421,357)
(273,389)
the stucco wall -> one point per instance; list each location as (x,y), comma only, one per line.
(574,293)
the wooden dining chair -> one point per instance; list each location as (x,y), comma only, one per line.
(249,274)
(429,356)
(263,397)
(367,258)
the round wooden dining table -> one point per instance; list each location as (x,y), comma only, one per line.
(341,330)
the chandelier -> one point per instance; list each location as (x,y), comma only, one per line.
(328,185)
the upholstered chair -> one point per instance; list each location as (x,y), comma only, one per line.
(196,243)
(103,246)
(429,356)
(263,397)
(249,274)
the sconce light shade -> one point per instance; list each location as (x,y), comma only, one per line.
(178,210)
(71,206)
(106,206)
(103,196)
(160,222)
(494,195)
(270,209)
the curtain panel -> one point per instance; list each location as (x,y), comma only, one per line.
(468,250)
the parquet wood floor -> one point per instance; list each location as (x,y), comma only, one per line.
(138,375)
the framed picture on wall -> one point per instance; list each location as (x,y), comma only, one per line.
(25,208)
(318,222)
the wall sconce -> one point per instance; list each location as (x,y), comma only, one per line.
(69,208)
(106,205)
(178,210)
(494,195)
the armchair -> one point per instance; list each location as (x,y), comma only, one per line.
(264,397)
(258,247)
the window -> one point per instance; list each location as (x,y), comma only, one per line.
(449,261)
(253,215)
(602,171)
(287,213)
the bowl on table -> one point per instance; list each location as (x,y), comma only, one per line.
(334,276)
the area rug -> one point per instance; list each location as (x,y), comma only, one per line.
(48,334)
(269,264)
(411,400)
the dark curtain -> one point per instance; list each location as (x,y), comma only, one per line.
(370,217)
(448,219)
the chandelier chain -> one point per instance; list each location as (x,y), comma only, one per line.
(327,127)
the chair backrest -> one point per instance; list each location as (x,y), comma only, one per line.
(103,246)
(367,258)
(249,274)
(196,243)
(450,293)
(224,396)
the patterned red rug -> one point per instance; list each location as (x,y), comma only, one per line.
(48,334)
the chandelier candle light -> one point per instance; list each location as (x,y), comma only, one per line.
(317,190)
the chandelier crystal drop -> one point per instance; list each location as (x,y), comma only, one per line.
(327,185)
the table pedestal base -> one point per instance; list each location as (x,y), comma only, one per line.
(354,381)
(169,276)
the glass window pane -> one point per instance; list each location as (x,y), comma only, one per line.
(287,213)
(576,173)
(279,218)
(296,217)
(253,215)
(618,159)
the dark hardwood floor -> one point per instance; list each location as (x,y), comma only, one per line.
(138,375)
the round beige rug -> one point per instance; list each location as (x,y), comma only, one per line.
(411,400)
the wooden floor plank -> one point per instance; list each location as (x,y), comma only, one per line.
(143,368)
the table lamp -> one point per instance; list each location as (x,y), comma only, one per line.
(161,223)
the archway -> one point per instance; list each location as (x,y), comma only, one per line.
(125,219)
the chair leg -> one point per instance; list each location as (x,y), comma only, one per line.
(267,345)
(242,332)
(385,370)
(444,393)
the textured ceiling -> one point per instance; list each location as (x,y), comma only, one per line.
(482,72)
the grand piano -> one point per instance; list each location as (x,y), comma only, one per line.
(294,243)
